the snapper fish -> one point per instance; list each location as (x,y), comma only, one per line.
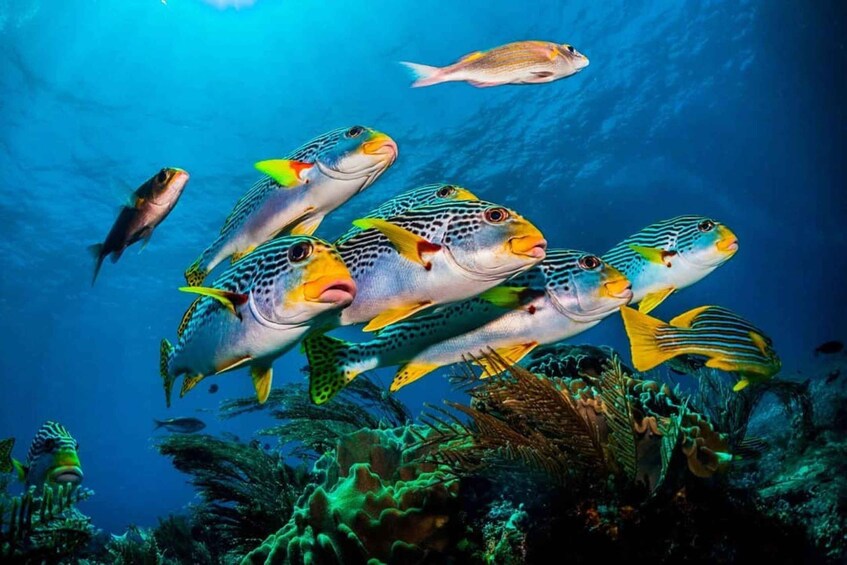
(730,342)
(564,295)
(257,310)
(52,458)
(434,254)
(180,425)
(149,205)
(670,255)
(298,192)
(522,62)
(413,198)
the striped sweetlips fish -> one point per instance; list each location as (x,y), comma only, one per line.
(730,342)
(567,293)
(434,254)
(298,192)
(413,198)
(257,310)
(521,62)
(52,457)
(670,255)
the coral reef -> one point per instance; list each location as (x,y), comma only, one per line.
(375,502)
(43,524)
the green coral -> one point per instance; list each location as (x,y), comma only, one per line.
(376,503)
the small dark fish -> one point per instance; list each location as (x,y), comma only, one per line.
(180,425)
(213,389)
(833,375)
(829,348)
(150,205)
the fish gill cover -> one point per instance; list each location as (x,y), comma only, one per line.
(732,112)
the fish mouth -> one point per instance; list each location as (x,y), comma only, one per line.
(179,178)
(534,246)
(728,244)
(618,288)
(381,145)
(70,474)
(331,290)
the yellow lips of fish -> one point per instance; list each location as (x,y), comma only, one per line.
(618,286)
(727,242)
(66,468)
(327,280)
(380,144)
(528,241)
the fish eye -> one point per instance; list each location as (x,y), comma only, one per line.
(589,262)
(706,225)
(445,191)
(496,215)
(49,443)
(300,251)
(162,176)
(355,131)
(571,49)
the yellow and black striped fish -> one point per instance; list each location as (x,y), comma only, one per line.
(730,342)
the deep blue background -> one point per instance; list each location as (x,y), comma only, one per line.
(734,110)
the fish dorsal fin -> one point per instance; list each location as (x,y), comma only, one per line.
(394,315)
(411,372)
(511,355)
(189,382)
(470,57)
(228,298)
(411,246)
(285,172)
(685,319)
(760,342)
(506,296)
(654,254)
(650,301)
(187,317)
(6,446)
(262,379)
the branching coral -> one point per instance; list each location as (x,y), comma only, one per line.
(360,405)
(374,503)
(247,493)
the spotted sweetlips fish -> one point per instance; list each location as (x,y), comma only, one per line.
(670,255)
(567,293)
(257,310)
(522,62)
(298,192)
(52,458)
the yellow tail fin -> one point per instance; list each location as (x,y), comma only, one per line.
(641,330)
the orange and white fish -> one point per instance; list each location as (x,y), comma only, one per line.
(522,62)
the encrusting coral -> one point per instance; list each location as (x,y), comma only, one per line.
(376,502)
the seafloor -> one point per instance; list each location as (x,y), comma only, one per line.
(571,454)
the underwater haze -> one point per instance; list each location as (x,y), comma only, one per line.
(732,110)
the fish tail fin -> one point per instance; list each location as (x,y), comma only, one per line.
(641,330)
(330,367)
(195,274)
(157,424)
(166,353)
(96,251)
(425,75)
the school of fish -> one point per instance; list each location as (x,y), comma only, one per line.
(434,276)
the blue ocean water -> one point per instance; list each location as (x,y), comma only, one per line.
(733,110)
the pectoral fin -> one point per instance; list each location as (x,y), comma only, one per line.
(511,355)
(409,245)
(394,315)
(286,172)
(741,385)
(654,254)
(307,226)
(650,301)
(759,341)
(262,378)
(410,373)
(506,296)
(229,299)
(231,364)
(189,382)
